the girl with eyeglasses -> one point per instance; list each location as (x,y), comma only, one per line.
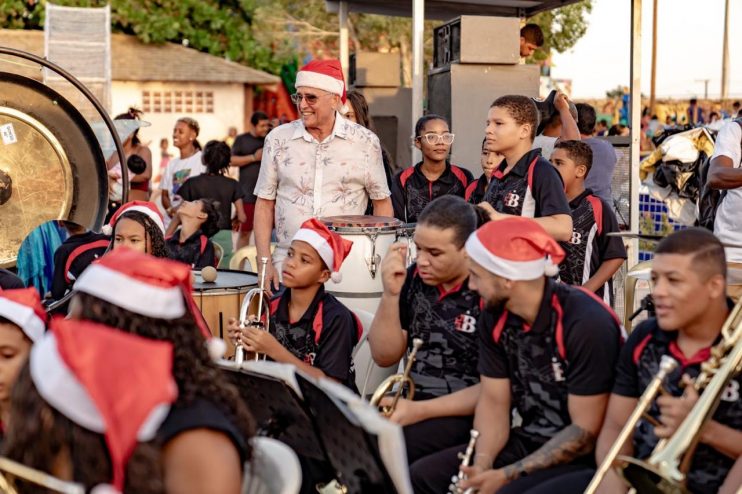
(414,187)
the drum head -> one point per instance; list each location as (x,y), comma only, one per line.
(51,166)
(361,224)
(225,279)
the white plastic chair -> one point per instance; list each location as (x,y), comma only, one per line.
(368,374)
(274,469)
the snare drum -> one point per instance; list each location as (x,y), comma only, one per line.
(372,236)
(220,300)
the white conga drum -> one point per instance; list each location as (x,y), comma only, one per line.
(361,286)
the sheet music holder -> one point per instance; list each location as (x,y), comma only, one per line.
(352,451)
(277,407)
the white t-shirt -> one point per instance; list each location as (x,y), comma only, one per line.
(179,170)
(546,144)
(728,221)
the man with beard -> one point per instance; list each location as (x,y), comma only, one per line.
(547,351)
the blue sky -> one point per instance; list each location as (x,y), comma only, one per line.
(689,48)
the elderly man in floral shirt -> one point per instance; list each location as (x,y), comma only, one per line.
(319,165)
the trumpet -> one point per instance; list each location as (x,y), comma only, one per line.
(667,365)
(465,458)
(666,468)
(34,476)
(255,312)
(397,379)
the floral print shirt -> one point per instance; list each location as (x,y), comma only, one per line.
(307,178)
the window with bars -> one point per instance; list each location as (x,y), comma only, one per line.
(178,101)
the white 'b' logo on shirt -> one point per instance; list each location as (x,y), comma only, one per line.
(511,200)
(731,393)
(466,324)
(576,238)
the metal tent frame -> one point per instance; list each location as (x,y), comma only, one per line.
(447,9)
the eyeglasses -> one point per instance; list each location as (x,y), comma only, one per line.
(433,139)
(311,99)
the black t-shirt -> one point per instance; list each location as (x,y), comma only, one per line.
(446,322)
(9,281)
(412,191)
(571,348)
(197,251)
(201,414)
(590,246)
(244,145)
(639,363)
(216,187)
(324,337)
(84,249)
(533,188)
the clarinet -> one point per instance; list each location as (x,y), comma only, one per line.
(465,458)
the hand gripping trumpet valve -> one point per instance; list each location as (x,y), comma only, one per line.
(254,312)
(400,380)
(465,458)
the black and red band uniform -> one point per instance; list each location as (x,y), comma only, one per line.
(412,191)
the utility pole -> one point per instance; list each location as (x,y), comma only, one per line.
(725,55)
(705,87)
(653,77)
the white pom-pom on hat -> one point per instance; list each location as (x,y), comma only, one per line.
(551,269)
(107,229)
(216,348)
(336,277)
(104,489)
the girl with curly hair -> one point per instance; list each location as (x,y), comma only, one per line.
(138,225)
(78,411)
(205,437)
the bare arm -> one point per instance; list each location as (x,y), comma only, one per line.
(575,440)
(165,198)
(201,460)
(604,273)
(458,404)
(619,410)
(174,224)
(387,339)
(383,207)
(239,207)
(249,159)
(492,420)
(569,126)
(263,227)
(723,175)
(558,226)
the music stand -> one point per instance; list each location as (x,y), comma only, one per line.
(278,410)
(352,451)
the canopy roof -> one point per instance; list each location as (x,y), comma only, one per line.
(447,9)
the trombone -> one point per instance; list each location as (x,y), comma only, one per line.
(32,475)
(666,468)
(255,312)
(397,379)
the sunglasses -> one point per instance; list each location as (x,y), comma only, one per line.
(433,139)
(311,99)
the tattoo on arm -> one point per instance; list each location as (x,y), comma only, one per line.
(570,443)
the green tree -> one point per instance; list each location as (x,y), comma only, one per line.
(562,27)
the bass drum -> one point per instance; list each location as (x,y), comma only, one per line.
(51,165)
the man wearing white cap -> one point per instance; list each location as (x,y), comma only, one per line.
(319,165)
(548,350)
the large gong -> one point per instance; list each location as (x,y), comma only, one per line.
(51,164)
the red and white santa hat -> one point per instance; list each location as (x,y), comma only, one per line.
(323,74)
(23,308)
(148,286)
(331,247)
(516,249)
(144,207)
(107,381)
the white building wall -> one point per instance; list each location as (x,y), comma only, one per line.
(228,111)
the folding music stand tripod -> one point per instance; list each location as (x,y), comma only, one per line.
(352,451)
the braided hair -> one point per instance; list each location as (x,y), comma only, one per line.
(40,435)
(195,373)
(151,232)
